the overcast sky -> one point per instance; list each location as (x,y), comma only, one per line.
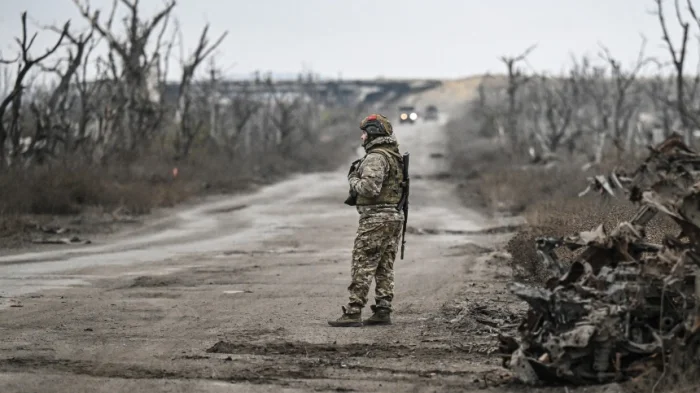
(390,38)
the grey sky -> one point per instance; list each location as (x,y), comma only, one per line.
(391,38)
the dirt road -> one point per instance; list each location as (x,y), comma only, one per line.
(233,296)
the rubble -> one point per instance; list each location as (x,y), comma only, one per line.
(621,307)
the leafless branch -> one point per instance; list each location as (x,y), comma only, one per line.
(678,57)
(188,128)
(516,79)
(519,57)
(4,61)
(13,100)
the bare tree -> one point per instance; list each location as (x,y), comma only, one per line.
(551,112)
(11,127)
(283,115)
(624,97)
(52,116)
(593,115)
(659,90)
(516,80)
(92,106)
(310,104)
(189,126)
(678,57)
(489,109)
(242,108)
(134,69)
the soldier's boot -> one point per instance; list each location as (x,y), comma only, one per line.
(348,319)
(381,316)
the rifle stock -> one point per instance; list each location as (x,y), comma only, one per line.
(403,203)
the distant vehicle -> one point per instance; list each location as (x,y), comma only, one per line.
(407,114)
(431,113)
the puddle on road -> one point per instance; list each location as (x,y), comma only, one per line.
(30,285)
(161,271)
(230,292)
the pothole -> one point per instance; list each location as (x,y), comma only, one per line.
(235,291)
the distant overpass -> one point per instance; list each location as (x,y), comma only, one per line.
(332,93)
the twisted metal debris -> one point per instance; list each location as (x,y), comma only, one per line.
(622,306)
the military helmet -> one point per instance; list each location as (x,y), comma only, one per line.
(376,125)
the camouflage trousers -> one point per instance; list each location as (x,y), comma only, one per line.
(373,255)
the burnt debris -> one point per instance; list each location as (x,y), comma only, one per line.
(622,306)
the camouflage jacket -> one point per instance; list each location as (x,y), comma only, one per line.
(368,178)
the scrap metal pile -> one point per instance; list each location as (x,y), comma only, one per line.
(621,306)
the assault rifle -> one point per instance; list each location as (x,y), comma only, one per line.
(403,203)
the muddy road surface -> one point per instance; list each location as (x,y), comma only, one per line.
(233,295)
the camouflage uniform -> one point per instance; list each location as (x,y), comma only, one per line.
(377,182)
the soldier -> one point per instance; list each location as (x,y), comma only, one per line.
(376,182)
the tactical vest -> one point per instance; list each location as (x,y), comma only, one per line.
(391,191)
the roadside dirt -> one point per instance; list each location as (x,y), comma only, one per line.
(34,231)
(233,295)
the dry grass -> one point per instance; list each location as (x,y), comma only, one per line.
(547,197)
(68,189)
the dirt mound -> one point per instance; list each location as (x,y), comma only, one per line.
(328,351)
(155,282)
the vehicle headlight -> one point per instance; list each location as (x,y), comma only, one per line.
(414,116)
(404,116)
